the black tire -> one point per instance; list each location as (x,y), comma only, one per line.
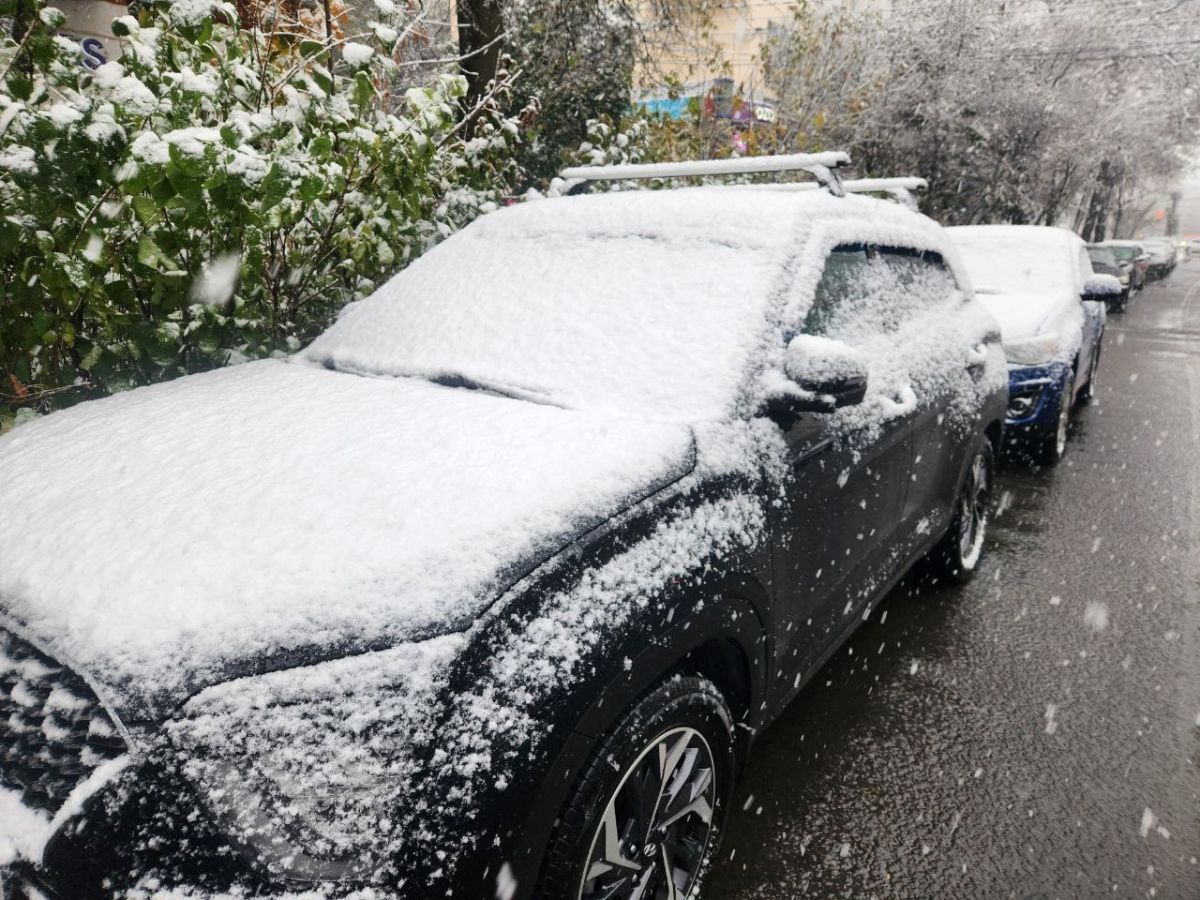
(622,769)
(960,551)
(1051,446)
(1088,391)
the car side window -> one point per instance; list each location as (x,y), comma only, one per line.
(872,290)
(841,282)
(923,279)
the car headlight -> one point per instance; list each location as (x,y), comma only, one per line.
(1124,278)
(308,769)
(1032,351)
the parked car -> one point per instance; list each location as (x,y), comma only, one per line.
(489,590)
(1134,254)
(1162,257)
(1039,284)
(1193,246)
(1106,262)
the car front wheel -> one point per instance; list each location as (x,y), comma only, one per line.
(644,819)
(1053,444)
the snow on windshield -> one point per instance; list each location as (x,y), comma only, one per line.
(1014,259)
(635,302)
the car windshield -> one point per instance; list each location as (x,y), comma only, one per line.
(1102,256)
(646,321)
(1123,252)
(1003,259)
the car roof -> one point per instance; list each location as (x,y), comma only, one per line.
(722,214)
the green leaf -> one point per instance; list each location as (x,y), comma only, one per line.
(93,356)
(146,209)
(150,254)
(364,90)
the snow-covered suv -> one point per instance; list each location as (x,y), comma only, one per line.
(487,592)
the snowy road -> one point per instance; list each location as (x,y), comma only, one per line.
(1036,734)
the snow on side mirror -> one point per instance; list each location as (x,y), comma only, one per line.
(824,375)
(1101,287)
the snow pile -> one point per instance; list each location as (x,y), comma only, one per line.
(182,533)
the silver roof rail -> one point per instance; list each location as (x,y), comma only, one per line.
(900,189)
(822,166)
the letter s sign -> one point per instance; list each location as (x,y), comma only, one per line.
(94,54)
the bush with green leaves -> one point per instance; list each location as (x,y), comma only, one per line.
(219,193)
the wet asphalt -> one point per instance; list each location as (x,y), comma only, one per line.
(1036,733)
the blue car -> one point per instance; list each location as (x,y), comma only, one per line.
(1038,283)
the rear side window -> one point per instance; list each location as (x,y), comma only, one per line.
(871,290)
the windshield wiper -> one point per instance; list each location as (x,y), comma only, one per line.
(458,380)
(454,380)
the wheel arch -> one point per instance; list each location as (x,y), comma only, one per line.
(723,637)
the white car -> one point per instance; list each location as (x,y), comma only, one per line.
(1039,284)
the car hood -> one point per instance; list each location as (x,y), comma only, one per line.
(277,513)
(1025,315)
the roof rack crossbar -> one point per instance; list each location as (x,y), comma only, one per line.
(822,166)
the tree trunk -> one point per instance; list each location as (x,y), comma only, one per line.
(480,25)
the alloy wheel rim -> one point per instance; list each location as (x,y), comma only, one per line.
(654,836)
(973,512)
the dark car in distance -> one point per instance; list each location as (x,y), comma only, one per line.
(488,592)
(1162,257)
(1105,261)
(1134,255)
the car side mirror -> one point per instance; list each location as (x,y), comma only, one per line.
(1101,288)
(822,375)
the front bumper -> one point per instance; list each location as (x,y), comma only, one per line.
(1034,397)
(145,826)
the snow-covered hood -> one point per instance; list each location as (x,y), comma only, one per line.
(1027,315)
(277,513)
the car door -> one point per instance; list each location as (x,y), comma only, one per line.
(948,342)
(836,530)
